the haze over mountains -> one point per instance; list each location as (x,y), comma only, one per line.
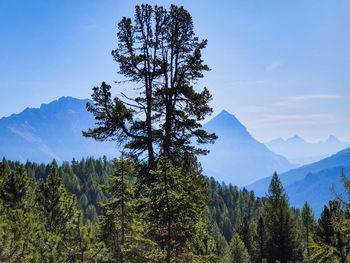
(312,182)
(298,151)
(236,157)
(53,131)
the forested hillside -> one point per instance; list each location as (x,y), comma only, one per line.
(83,178)
(40,209)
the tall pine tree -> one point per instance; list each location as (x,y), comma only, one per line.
(308,226)
(283,243)
(118,215)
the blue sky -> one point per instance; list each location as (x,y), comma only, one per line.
(282,67)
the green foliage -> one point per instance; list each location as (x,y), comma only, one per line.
(80,178)
(174,206)
(247,232)
(57,206)
(308,226)
(40,219)
(117,222)
(261,240)
(14,188)
(45,226)
(236,252)
(229,206)
(332,237)
(282,241)
(159,52)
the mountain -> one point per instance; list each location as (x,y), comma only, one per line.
(236,157)
(299,151)
(52,131)
(311,182)
(316,188)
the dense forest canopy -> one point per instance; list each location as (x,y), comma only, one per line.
(76,195)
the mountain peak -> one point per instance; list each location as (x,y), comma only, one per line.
(277,140)
(332,138)
(236,150)
(226,121)
(224,112)
(295,138)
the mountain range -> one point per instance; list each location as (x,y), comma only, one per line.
(312,182)
(299,151)
(53,131)
(236,157)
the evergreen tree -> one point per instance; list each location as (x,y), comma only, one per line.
(261,239)
(247,232)
(175,206)
(116,221)
(121,227)
(332,236)
(283,242)
(57,207)
(236,252)
(221,246)
(308,224)
(85,247)
(16,227)
(160,52)
(14,188)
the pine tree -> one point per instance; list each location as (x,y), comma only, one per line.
(85,246)
(116,221)
(16,226)
(261,239)
(57,207)
(14,188)
(247,232)
(308,224)
(236,252)
(283,242)
(175,205)
(158,51)
(332,237)
(221,246)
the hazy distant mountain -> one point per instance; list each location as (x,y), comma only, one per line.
(311,182)
(236,157)
(54,131)
(316,188)
(299,151)
(51,131)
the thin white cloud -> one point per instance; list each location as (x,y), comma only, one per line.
(274,65)
(36,140)
(297,99)
(315,96)
(296,117)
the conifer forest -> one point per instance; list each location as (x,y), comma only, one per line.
(151,203)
